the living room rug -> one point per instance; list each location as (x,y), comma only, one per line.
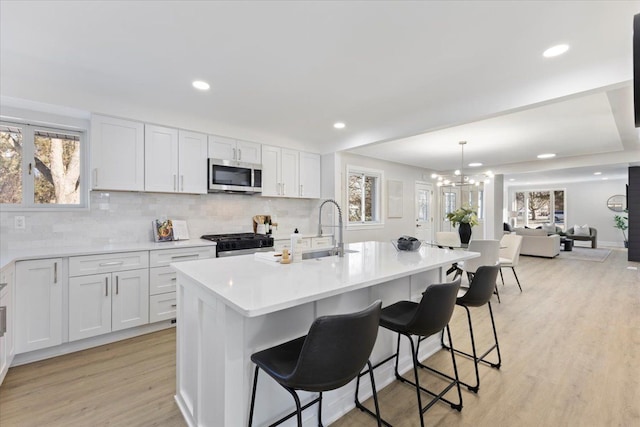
(586,254)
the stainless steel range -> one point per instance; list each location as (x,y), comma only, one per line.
(240,243)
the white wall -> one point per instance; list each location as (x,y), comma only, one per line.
(393,227)
(586,203)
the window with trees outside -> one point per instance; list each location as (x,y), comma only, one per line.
(41,167)
(364,196)
(534,208)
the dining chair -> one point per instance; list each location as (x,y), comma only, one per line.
(489,255)
(510,245)
(451,240)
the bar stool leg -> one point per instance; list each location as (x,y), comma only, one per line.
(253,396)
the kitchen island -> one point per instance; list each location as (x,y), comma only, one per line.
(229,308)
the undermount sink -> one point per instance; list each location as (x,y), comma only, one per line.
(324,253)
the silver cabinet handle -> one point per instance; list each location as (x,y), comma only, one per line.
(106,286)
(95,181)
(239,154)
(173,279)
(55,272)
(174,305)
(3,321)
(107,264)
(117,285)
(234,154)
(175,182)
(183,256)
(301,190)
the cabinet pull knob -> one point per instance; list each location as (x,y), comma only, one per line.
(173,279)
(106,286)
(174,305)
(55,272)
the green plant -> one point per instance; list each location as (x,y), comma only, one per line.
(465,214)
(621,224)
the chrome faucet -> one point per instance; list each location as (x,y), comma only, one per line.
(340,241)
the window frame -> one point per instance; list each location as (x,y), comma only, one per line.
(377,204)
(28,203)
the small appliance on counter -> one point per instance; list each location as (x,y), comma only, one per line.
(240,243)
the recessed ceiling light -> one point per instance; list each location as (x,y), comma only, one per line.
(339,125)
(555,50)
(597,173)
(475,164)
(199,84)
(546,155)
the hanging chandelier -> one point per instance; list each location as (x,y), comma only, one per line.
(459,179)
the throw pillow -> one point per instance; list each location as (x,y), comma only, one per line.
(581,230)
(549,228)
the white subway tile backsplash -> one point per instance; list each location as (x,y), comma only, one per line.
(124,217)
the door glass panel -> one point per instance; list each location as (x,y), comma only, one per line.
(10,164)
(423,205)
(56,168)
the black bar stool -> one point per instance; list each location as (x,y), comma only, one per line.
(332,354)
(479,293)
(424,319)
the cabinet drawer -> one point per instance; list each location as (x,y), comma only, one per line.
(164,257)
(162,307)
(322,242)
(162,280)
(106,263)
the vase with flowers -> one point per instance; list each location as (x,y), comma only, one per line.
(466,217)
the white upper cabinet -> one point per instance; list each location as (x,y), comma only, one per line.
(192,162)
(310,175)
(117,154)
(160,159)
(175,161)
(290,173)
(224,148)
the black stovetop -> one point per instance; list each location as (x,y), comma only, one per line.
(238,241)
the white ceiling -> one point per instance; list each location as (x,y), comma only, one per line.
(283,72)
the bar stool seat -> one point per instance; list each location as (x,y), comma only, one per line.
(332,354)
(426,318)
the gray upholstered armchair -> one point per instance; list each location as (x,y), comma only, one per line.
(592,237)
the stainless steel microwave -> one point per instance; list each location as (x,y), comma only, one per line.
(231,176)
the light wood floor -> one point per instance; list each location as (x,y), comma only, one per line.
(570,344)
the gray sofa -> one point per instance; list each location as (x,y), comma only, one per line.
(538,243)
(592,237)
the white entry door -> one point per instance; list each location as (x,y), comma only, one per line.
(424,211)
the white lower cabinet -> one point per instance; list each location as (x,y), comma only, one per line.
(162,278)
(111,301)
(7,348)
(38,298)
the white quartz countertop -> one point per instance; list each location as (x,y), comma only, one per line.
(49,252)
(254,287)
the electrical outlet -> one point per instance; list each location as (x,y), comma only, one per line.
(19,222)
